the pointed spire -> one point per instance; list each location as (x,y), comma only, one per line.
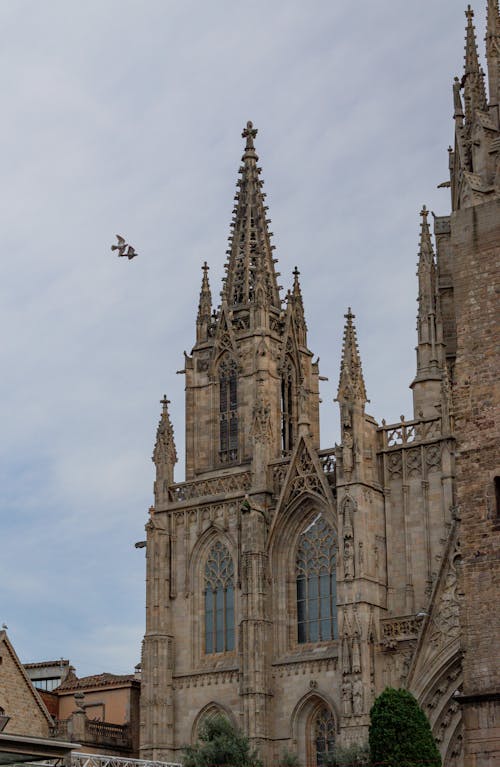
(426,394)
(473,79)
(250,251)
(426,251)
(204,307)
(492,40)
(426,271)
(164,453)
(298,310)
(351,382)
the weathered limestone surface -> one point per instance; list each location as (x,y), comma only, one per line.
(398,525)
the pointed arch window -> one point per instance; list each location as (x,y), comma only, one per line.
(228,411)
(323,735)
(219,600)
(288,406)
(316,583)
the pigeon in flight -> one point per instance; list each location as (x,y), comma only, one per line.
(124,249)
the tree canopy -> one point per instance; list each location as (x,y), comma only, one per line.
(220,745)
(400,733)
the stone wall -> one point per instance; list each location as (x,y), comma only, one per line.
(475,240)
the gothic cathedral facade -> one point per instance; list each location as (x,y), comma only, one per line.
(288,584)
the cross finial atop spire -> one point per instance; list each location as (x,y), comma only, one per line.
(249,133)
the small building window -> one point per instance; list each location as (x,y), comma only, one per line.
(219,600)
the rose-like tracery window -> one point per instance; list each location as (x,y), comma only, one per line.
(316,583)
(219,600)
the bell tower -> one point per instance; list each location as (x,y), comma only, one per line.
(250,381)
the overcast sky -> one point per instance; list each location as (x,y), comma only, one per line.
(126,116)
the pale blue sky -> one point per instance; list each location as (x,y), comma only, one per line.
(125,116)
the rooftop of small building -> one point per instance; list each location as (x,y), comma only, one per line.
(105,679)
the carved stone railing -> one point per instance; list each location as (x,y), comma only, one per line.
(406,432)
(396,630)
(107,733)
(229,483)
(94,732)
(99,760)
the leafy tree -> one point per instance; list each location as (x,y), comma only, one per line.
(288,760)
(347,756)
(400,734)
(220,745)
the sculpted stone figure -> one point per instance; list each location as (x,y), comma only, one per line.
(347,697)
(357,696)
(348,559)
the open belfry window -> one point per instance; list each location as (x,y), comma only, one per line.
(316,583)
(219,600)
(228,411)
(287,406)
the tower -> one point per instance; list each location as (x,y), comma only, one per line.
(288,584)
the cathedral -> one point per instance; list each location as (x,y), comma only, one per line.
(288,583)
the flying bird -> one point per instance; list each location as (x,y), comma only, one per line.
(121,245)
(124,249)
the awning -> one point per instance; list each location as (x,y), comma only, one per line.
(19,748)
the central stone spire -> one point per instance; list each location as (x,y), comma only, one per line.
(250,261)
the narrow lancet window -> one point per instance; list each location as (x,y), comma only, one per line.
(287,407)
(323,736)
(219,600)
(228,412)
(316,583)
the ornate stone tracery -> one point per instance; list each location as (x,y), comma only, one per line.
(316,582)
(219,600)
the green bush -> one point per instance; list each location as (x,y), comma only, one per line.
(288,760)
(220,745)
(400,734)
(345,756)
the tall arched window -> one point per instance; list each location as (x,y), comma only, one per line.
(219,600)
(316,583)
(323,735)
(228,411)
(287,406)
